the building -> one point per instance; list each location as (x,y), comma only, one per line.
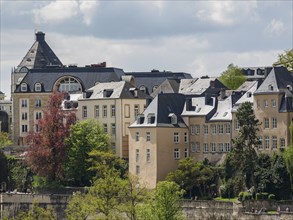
(5,114)
(115,105)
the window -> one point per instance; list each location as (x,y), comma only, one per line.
(127,111)
(113,148)
(266,123)
(137,170)
(176,154)
(24,128)
(186,152)
(220,129)
(192,147)
(137,155)
(220,147)
(24,103)
(97,111)
(173,119)
(265,103)
(282,142)
(197,146)
(104,111)
(69,84)
(176,137)
(37,128)
(151,118)
(227,128)
(148,136)
(38,87)
(274,103)
(274,122)
(213,129)
(227,147)
(137,136)
(205,129)
(113,110)
(236,124)
(185,137)
(192,130)
(197,129)
(38,115)
(24,115)
(38,103)
(259,142)
(84,111)
(274,142)
(213,147)
(267,142)
(205,148)
(105,128)
(113,129)
(136,110)
(23,87)
(148,155)
(143,89)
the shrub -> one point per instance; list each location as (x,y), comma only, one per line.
(247,196)
(258,196)
(265,195)
(240,196)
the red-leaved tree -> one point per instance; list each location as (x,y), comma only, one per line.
(47,150)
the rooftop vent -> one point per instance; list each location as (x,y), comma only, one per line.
(40,36)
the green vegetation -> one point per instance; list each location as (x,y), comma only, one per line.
(286,60)
(232,77)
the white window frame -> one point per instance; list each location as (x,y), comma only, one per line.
(274,142)
(176,137)
(105,111)
(148,136)
(205,129)
(228,128)
(113,111)
(266,123)
(220,129)
(38,103)
(137,136)
(176,153)
(274,122)
(97,111)
(148,155)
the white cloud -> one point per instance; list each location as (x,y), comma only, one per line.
(275,27)
(56,11)
(87,9)
(226,12)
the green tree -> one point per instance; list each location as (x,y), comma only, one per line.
(85,137)
(232,77)
(36,213)
(164,203)
(4,140)
(246,141)
(286,60)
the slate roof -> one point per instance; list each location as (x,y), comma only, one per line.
(120,89)
(199,86)
(168,86)
(155,78)
(253,73)
(201,106)
(162,106)
(277,81)
(39,55)
(88,76)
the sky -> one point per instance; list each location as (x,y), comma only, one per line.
(197,37)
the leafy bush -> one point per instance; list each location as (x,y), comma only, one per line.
(247,196)
(227,190)
(258,196)
(240,196)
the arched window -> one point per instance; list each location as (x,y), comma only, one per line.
(154,88)
(23,87)
(143,88)
(68,84)
(24,69)
(38,87)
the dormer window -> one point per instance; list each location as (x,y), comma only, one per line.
(23,69)
(140,119)
(38,87)
(271,88)
(173,118)
(23,87)
(289,87)
(248,94)
(107,93)
(143,89)
(151,118)
(154,88)
(133,91)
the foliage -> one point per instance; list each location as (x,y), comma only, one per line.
(288,155)
(101,161)
(79,207)
(35,213)
(245,143)
(163,204)
(195,177)
(286,60)
(271,197)
(4,140)
(85,137)
(47,150)
(232,77)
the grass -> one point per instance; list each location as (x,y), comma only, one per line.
(226,199)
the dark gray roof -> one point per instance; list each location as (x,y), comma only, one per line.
(277,81)
(39,55)
(161,107)
(87,76)
(168,86)
(155,78)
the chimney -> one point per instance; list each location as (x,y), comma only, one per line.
(40,36)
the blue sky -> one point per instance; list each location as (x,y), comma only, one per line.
(198,37)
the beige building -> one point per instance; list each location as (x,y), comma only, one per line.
(5,114)
(115,105)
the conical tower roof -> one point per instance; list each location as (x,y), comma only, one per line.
(39,55)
